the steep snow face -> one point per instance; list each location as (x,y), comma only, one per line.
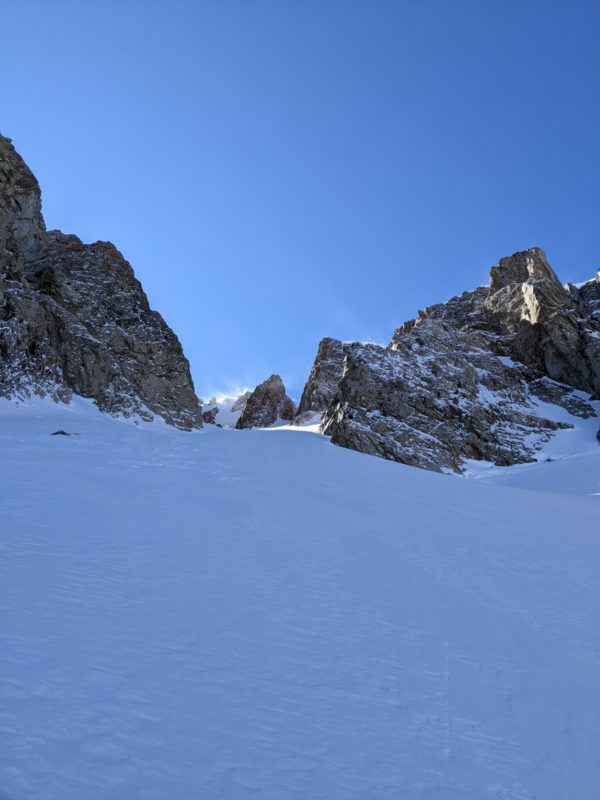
(224,615)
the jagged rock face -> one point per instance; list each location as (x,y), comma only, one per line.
(22,230)
(534,320)
(266,404)
(439,398)
(547,326)
(73,317)
(324,377)
(465,380)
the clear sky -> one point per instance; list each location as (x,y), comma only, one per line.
(277,171)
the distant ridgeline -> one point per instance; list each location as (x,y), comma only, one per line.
(491,375)
(74,319)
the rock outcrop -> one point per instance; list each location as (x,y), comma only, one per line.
(74,319)
(267,404)
(484,376)
(324,377)
(209,417)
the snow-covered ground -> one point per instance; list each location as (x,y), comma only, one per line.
(225,403)
(568,464)
(260,614)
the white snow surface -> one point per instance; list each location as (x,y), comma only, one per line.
(260,614)
(224,403)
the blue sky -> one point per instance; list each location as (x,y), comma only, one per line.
(281,171)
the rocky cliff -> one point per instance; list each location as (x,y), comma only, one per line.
(324,378)
(74,319)
(484,376)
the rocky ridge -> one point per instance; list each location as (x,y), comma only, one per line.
(484,376)
(74,319)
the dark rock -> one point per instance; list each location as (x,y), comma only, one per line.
(60,433)
(267,404)
(324,377)
(74,319)
(209,417)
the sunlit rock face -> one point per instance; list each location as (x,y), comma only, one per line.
(74,319)
(479,377)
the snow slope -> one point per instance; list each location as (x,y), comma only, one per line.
(568,464)
(259,614)
(225,403)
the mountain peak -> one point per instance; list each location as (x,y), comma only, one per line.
(75,320)
(524,266)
